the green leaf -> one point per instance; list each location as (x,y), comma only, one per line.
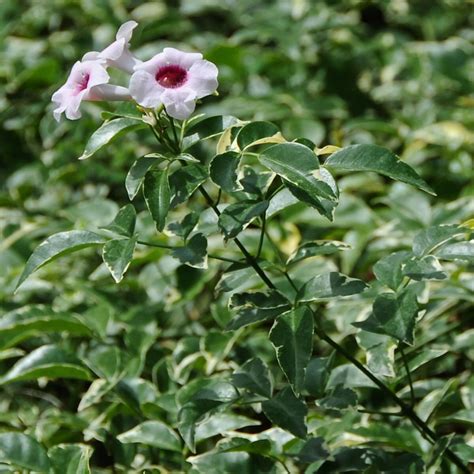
(223,171)
(238,216)
(388,270)
(56,246)
(152,433)
(186,226)
(136,174)
(29,321)
(232,462)
(220,423)
(292,337)
(124,221)
(46,361)
(256,306)
(194,253)
(299,166)
(374,158)
(317,375)
(208,128)
(117,255)
(432,401)
(23,452)
(210,395)
(393,315)
(105,361)
(339,398)
(308,451)
(108,131)
(457,251)
(185,180)
(317,247)
(424,268)
(70,458)
(255,377)
(259,299)
(428,239)
(157,196)
(287,411)
(254,131)
(379,352)
(330,285)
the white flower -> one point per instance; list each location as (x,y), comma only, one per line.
(175,79)
(87,81)
(118,53)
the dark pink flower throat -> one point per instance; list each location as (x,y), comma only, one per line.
(82,83)
(171,76)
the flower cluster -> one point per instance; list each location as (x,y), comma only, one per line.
(172,79)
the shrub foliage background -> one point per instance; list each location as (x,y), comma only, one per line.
(159,373)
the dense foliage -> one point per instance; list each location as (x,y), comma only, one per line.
(265,287)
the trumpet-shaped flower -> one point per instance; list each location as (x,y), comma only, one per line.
(118,53)
(174,79)
(87,81)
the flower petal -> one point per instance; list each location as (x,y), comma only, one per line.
(108,92)
(203,78)
(179,103)
(145,90)
(181,58)
(126,30)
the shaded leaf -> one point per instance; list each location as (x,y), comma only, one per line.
(223,171)
(393,315)
(185,180)
(287,411)
(255,377)
(237,217)
(330,285)
(339,398)
(194,253)
(292,337)
(254,131)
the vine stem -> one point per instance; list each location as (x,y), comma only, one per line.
(407,370)
(171,247)
(407,410)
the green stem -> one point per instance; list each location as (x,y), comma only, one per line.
(410,381)
(175,135)
(171,247)
(250,260)
(262,236)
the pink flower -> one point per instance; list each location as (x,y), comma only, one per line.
(87,81)
(174,79)
(118,53)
